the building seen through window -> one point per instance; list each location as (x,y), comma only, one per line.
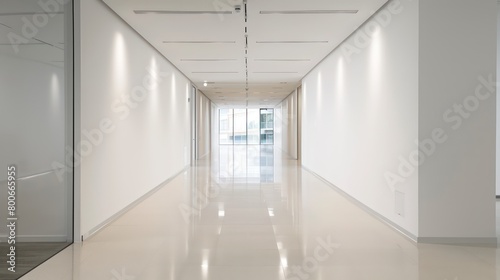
(246,126)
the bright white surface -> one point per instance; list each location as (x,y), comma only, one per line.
(286,125)
(150,143)
(203,114)
(360,113)
(153,241)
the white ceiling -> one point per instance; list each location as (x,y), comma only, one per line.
(212,47)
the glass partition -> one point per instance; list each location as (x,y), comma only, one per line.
(253,127)
(226,134)
(240,126)
(267,126)
(36,129)
(246,126)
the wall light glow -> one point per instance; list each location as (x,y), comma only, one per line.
(119,64)
(55,93)
(341,76)
(375,63)
(319,89)
(173,94)
(155,89)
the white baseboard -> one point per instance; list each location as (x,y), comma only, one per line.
(367,209)
(461,241)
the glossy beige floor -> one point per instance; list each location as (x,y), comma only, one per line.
(250,214)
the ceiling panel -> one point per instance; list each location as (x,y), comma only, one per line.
(278,44)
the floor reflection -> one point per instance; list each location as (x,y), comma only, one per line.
(245,163)
(226,219)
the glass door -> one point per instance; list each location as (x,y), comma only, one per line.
(36,133)
(267,126)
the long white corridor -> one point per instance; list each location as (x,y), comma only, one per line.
(251,213)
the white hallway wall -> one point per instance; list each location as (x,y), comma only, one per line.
(214,126)
(203,113)
(279,126)
(368,103)
(139,102)
(360,113)
(286,125)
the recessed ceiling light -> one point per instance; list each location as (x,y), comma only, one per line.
(215,72)
(208,59)
(20,44)
(205,84)
(199,42)
(167,12)
(284,59)
(30,13)
(275,72)
(308,12)
(291,42)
